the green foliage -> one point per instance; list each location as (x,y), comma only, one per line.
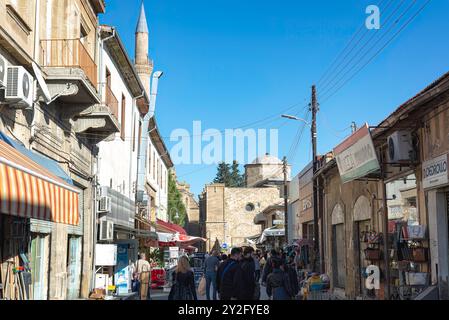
(229,175)
(175,204)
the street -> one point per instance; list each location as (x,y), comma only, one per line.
(159,294)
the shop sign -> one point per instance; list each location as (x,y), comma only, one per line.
(435,172)
(356,156)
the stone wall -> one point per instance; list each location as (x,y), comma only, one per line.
(227,218)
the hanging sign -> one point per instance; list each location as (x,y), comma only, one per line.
(356,156)
(435,172)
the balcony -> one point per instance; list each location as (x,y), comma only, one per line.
(70,71)
(101,119)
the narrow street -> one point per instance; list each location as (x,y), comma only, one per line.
(147,140)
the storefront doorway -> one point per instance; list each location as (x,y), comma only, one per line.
(74,268)
(39,265)
(363,227)
(338,248)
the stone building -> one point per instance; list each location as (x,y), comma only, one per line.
(60,120)
(228,214)
(192,207)
(404,199)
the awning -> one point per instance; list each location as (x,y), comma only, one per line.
(29,190)
(271,232)
(177,240)
(168,227)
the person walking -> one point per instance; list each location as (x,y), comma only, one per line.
(278,282)
(257,265)
(269,265)
(290,270)
(183,282)
(226,273)
(142,277)
(245,276)
(210,271)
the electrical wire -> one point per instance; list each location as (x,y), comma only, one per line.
(331,67)
(327,89)
(379,51)
(368,41)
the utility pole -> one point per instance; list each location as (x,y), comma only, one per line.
(314,109)
(285,199)
(353,127)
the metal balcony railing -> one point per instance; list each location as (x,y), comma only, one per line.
(111,101)
(69,53)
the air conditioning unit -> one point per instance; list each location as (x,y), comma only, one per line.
(104,205)
(106,230)
(19,86)
(2,72)
(400,146)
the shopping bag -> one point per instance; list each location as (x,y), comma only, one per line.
(202,287)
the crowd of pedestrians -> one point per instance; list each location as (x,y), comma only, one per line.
(242,274)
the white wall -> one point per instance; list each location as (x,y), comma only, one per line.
(154,161)
(117,160)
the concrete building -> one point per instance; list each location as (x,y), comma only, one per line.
(232,215)
(63,127)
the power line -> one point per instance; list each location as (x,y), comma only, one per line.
(360,51)
(331,67)
(379,51)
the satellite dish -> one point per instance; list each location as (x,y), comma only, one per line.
(42,84)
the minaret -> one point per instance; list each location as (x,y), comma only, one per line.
(143,64)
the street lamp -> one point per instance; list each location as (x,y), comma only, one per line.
(287,116)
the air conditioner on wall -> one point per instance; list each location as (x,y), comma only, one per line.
(104,205)
(400,146)
(19,86)
(2,72)
(106,230)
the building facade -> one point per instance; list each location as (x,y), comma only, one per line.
(63,125)
(232,215)
(394,217)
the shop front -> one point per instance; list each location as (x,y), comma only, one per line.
(436,185)
(32,188)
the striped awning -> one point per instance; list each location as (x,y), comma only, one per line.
(29,190)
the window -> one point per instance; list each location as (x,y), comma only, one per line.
(134,133)
(122,130)
(149,160)
(250,207)
(139,140)
(154,165)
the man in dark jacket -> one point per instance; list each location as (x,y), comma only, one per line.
(269,266)
(278,282)
(245,276)
(226,273)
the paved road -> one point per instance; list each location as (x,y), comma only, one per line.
(161,295)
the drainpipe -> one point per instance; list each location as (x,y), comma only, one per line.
(102,41)
(141,195)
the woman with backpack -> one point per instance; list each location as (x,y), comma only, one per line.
(278,282)
(183,288)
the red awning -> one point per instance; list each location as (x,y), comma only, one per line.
(169,227)
(30,191)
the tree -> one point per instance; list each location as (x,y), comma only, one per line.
(238,180)
(175,204)
(223,174)
(229,175)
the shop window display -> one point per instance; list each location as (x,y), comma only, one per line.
(407,242)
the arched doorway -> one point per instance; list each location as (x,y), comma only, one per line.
(362,224)
(338,247)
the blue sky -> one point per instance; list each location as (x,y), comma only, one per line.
(230,63)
